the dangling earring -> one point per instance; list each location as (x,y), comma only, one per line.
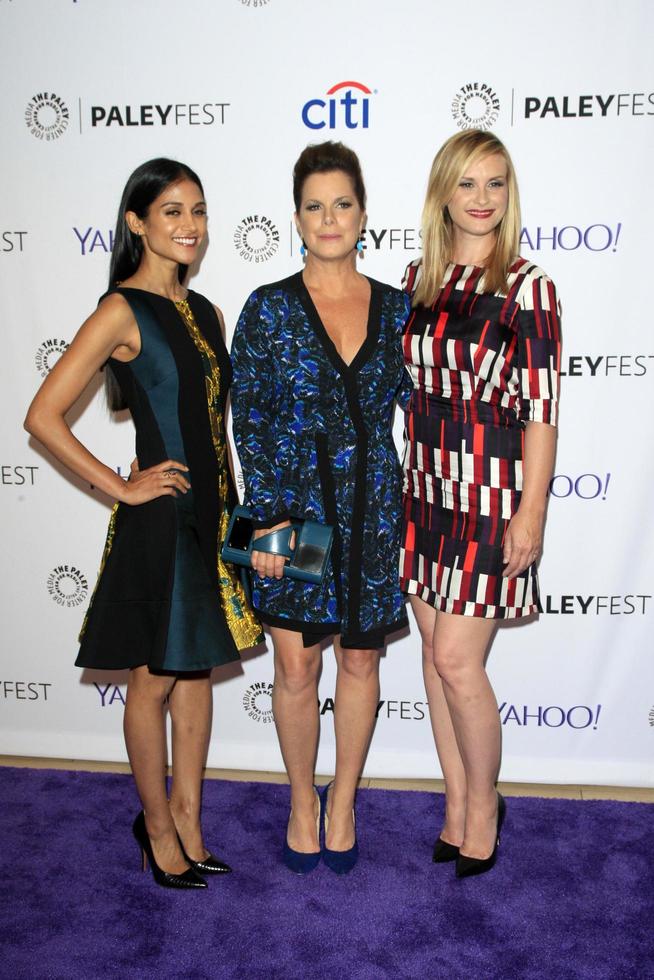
(360,248)
(303,249)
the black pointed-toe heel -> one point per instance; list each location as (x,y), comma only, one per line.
(210,865)
(188,878)
(466,866)
(444,852)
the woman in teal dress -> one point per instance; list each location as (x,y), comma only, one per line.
(165,606)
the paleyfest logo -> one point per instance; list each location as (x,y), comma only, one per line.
(256,238)
(603,106)
(475,106)
(46,116)
(156,114)
(348,105)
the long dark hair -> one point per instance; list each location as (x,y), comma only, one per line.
(142,188)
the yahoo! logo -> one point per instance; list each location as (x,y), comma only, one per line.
(587,486)
(568,238)
(551,716)
(92,238)
(355,110)
(109,694)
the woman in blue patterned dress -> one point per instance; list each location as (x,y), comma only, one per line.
(318,364)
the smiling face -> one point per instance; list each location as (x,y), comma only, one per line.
(480,200)
(330,219)
(175,225)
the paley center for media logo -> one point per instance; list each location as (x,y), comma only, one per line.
(257,702)
(475,106)
(344,104)
(67,585)
(48,354)
(256,238)
(47,116)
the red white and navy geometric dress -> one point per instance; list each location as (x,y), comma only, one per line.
(482,366)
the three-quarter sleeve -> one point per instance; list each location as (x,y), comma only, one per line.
(406,384)
(539,350)
(254,394)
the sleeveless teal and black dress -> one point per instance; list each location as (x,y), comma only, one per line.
(164,597)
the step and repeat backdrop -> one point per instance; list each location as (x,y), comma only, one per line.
(237,88)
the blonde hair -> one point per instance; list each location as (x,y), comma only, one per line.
(450,163)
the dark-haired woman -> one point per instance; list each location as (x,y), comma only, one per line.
(317,366)
(165,606)
(482,346)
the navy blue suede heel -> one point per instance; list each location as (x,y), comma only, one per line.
(340,862)
(302,862)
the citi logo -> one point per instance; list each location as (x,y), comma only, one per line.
(347,105)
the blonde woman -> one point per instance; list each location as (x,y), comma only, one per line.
(482,347)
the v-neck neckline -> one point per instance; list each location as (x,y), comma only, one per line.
(372,327)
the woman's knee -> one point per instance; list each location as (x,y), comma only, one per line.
(450,662)
(361,665)
(296,673)
(152,687)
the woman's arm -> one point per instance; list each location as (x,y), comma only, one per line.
(539,358)
(524,537)
(110,331)
(255,403)
(253,408)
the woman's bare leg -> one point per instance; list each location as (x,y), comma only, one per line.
(460,649)
(295,707)
(145,736)
(191,706)
(442,727)
(355,707)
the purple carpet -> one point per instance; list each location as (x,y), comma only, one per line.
(570,897)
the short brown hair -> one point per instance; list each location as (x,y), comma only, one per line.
(323,158)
